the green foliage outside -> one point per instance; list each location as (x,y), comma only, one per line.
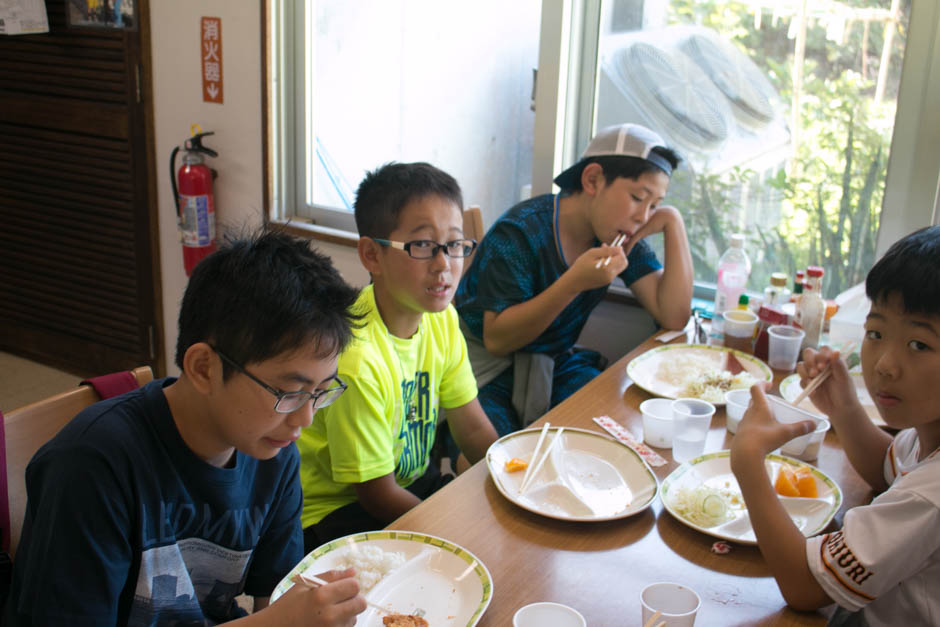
(830,197)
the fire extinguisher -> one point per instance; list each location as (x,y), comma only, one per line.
(195,205)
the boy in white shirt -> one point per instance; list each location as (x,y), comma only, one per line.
(883,566)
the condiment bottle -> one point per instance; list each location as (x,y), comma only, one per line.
(733,270)
(797,286)
(811,309)
(743,302)
(777,293)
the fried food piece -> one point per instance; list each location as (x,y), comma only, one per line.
(515,464)
(403,620)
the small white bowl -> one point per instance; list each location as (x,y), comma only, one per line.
(787,413)
(547,614)
(806,447)
(736,403)
(657,422)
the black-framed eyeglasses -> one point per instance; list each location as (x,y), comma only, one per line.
(289,402)
(428,249)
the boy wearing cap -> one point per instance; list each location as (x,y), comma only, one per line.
(546,264)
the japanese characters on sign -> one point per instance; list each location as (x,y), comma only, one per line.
(211,52)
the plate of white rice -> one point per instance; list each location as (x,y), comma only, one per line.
(696,371)
(404,571)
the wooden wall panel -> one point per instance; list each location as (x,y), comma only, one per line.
(77,279)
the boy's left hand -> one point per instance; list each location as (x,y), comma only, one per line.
(759,432)
(659,220)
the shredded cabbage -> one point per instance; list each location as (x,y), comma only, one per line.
(702,505)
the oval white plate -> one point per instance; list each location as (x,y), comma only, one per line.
(790,388)
(447,581)
(714,471)
(644,370)
(589,477)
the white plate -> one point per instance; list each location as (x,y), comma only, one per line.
(790,388)
(448,582)
(588,476)
(714,471)
(644,370)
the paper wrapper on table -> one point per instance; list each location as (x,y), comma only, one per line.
(620,432)
(767,316)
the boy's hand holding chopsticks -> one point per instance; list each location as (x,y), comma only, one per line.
(825,379)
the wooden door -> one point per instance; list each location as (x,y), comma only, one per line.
(78,229)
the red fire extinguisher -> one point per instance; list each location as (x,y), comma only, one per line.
(195,205)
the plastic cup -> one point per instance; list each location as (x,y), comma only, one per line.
(677,604)
(545,613)
(657,422)
(787,413)
(806,447)
(691,418)
(736,403)
(739,325)
(784,346)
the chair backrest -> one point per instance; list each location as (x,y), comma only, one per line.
(26,429)
(472,228)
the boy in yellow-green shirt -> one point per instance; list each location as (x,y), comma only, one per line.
(365,459)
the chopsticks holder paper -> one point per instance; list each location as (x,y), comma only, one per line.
(617,430)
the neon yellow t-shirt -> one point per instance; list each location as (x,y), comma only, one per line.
(367,432)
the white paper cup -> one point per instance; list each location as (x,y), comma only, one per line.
(547,614)
(783,348)
(806,447)
(677,603)
(657,422)
(736,403)
(691,418)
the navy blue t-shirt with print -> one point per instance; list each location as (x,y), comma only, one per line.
(518,260)
(125,525)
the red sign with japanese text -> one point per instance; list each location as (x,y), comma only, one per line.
(211,52)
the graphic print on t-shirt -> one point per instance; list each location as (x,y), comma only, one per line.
(416,436)
(186,581)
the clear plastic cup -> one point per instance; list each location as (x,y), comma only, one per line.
(691,418)
(736,403)
(783,349)
(677,604)
(657,422)
(739,326)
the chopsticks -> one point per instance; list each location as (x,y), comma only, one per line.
(312,581)
(820,378)
(527,480)
(617,242)
(652,620)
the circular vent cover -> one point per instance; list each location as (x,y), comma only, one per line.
(684,102)
(738,78)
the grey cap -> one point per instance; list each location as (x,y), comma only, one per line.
(622,140)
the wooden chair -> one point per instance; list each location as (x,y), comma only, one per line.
(26,429)
(472,229)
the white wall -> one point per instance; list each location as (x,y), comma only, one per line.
(177,89)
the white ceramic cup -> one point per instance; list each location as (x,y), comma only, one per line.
(546,614)
(657,422)
(691,418)
(736,403)
(677,603)
(783,349)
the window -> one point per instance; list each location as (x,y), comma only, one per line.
(373,81)
(784,112)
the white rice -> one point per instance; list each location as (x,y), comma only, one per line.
(678,369)
(371,564)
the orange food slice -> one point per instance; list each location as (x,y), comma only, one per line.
(515,464)
(806,483)
(786,483)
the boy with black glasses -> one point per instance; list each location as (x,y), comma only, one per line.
(365,460)
(162,505)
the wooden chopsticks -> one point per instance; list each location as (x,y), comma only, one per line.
(617,242)
(820,378)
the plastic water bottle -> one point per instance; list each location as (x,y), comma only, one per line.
(733,270)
